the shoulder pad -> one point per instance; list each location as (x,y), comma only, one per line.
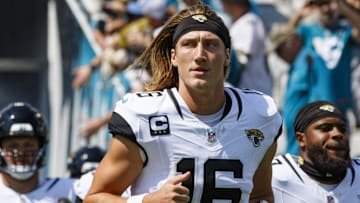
(142,102)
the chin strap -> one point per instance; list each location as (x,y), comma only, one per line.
(21,172)
(326,176)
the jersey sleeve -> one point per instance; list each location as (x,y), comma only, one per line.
(276,117)
(267,111)
(132,110)
(123,120)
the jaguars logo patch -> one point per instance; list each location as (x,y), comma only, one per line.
(255,136)
(211,136)
(200,18)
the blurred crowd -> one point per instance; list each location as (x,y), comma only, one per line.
(312,55)
(319,45)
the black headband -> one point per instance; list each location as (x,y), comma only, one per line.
(315,111)
(200,22)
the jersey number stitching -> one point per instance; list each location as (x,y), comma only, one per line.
(211,166)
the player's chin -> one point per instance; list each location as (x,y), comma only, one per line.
(201,83)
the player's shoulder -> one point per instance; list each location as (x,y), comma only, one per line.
(56,189)
(356,171)
(144,102)
(257,101)
(285,167)
(143,97)
(56,183)
(356,164)
(283,160)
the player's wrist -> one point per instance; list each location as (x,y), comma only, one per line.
(136,198)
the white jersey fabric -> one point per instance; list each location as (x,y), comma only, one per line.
(292,184)
(222,158)
(82,185)
(248,36)
(50,190)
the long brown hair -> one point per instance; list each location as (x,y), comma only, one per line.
(157,57)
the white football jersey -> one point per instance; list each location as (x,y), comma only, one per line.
(221,158)
(50,190)
(291,184)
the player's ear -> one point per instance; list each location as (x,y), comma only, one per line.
(173,58)
(301,138)
(227,57)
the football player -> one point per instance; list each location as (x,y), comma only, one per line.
(324,171)
(189,138)
(23,142)
(84,160)
(82,165)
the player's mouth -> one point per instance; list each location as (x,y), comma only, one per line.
(337,149)
(200,71)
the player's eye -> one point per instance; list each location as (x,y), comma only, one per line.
(211,44)
(188,43)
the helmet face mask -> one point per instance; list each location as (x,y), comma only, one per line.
(23,138)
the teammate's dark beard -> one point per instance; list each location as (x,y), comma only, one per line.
(324,167)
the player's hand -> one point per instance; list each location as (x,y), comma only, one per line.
(171,192)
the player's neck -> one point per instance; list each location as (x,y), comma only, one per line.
(204,103)
(212,119)
(22,187)
(321,176)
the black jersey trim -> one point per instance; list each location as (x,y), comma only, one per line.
(279,133)
(238,98)
(292,167)
(176,103)
(228,105)
(118,126)
(141,147)
(353,174)
(78,199)
(53,184)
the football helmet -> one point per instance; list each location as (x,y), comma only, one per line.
(84,160)
(21,119)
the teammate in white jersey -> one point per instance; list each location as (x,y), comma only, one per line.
(324,171)
(23,140)
(189,139)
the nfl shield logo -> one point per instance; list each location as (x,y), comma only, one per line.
(330,199)
(211,136)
